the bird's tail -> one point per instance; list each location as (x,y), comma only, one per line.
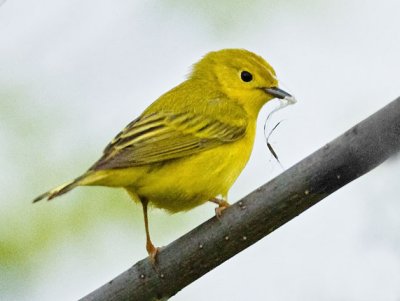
(59,190)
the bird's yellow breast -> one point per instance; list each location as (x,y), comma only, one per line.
(189,182)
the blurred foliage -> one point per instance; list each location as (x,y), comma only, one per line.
(217,13)
(227,17)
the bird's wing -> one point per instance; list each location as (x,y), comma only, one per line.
(162,136)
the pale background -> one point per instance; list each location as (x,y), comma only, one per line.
(73,73)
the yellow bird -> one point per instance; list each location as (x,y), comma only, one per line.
(190,145)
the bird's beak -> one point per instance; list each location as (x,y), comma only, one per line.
(282,95)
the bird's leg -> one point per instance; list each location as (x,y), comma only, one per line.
(151,249)
(222,205)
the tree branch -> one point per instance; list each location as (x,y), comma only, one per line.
(339,162)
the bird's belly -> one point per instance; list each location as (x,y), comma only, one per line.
(183,184)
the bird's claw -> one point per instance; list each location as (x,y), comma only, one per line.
(153,252)
(222,205)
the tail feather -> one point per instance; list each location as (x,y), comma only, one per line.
(59,190)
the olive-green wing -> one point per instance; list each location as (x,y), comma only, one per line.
(163,136)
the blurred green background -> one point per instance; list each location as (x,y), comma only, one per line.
(73,73)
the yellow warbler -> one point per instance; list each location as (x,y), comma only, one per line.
(190,145)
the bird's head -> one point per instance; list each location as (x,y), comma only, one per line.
(242,76)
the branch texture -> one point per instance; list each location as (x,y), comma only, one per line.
(339,162)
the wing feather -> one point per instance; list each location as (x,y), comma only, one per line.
(163,136)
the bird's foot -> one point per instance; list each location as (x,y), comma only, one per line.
(222,205)
(153,252)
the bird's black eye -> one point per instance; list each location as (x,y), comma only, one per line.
(246,76)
